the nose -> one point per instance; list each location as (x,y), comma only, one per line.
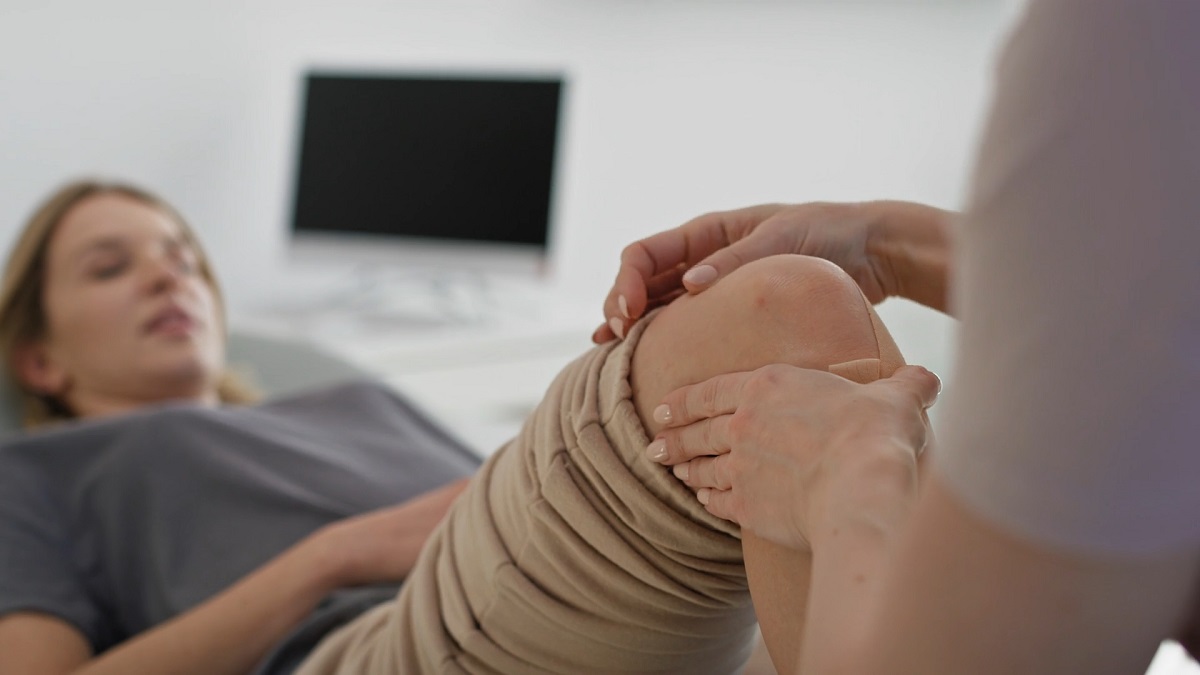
(160,273)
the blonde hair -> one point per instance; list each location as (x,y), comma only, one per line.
(23,318)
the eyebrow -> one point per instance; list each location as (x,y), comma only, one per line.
(111,243)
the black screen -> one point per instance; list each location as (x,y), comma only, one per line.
(430,157)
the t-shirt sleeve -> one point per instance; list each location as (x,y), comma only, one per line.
(36,569)
(1074,414)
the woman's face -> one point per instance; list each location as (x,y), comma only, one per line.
(130,318)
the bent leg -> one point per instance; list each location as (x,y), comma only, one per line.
(785,309)
(570,552)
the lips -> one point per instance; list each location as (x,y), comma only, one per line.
(172,320)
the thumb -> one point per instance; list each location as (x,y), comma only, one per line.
(918,382)
(719,264)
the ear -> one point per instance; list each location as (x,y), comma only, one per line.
(37,370)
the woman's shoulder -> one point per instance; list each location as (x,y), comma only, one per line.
(347,394)
(350,399)
(356,389)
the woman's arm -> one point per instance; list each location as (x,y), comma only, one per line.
(232,631)
(950,593)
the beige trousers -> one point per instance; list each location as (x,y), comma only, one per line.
(570,553)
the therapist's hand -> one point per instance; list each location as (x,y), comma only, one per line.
(783,450)
(888,247)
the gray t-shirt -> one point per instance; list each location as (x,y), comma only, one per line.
(119,524)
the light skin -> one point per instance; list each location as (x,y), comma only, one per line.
(890,248)
(747,324)
(130,319)
(852,530)
(132,323)
(896,575)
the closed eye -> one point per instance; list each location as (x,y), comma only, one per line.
(102,270)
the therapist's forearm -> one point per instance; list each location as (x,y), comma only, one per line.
(916,242)
(232,632)
(947,592)
(846,571)
(851,542)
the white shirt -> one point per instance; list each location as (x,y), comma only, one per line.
(1075,414)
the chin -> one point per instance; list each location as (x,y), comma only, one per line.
(185,378)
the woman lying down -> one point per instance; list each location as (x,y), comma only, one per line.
(152,520)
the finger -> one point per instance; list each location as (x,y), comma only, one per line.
(930,440)
(602,334)
(665,299)
(681,246)
(719,395)
(720,503)
(627,298)
(915,381)
(704,472)
(667,283)
(617,326)
(749,240)
(924,461)
(641,262)
(703,438)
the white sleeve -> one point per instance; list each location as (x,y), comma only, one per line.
(1074,415)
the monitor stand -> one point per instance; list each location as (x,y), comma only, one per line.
(411,300)
(421,298)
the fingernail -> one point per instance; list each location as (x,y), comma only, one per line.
(618,327)
(624,306)
(681,471)
(662,414)
(702,495)
(657,451)
(700,275)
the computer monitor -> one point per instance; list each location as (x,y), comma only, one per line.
(426,171)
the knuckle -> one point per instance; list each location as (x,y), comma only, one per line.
(739,425)
(719,477)
(629,250)
(681,410)
(706,440)
(734,257)
(734,472)
(707,394)
(762,379)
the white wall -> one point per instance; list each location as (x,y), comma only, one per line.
(674,107)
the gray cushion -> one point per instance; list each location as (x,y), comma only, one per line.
(279,366)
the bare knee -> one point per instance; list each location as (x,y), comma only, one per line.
(800,301)
(783,309)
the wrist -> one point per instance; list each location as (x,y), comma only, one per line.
(913,244)
(322,561)
(870,492)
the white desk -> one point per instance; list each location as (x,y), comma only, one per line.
(480,379)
